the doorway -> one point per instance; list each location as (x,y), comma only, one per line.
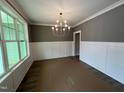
(77,40)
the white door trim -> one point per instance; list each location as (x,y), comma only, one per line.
(74,33)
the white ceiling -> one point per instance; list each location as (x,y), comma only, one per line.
(46,11)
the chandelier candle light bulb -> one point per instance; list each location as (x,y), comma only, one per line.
(56,29)
(57,21)
(65,21)
(52,28)
(69,27)
(63,29)
(56,26)
(66,25)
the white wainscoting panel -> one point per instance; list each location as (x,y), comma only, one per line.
(12,79)
(19,73)
(115,62)
(49,50)
(108,57)
(7,84)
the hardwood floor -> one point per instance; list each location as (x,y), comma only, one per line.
(66,74)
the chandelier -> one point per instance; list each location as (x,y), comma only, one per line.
(61,27)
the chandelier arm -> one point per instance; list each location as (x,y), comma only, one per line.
(61,26)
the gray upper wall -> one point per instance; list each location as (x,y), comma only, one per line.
(108,27)
(44,34)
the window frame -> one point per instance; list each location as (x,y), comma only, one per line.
(3,42)
(25,40)
(3,59)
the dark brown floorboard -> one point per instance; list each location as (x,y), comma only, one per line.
(66,74)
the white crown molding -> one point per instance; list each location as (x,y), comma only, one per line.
(18,9)
(117,4)
(40,24)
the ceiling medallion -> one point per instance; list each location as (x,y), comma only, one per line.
(61,27)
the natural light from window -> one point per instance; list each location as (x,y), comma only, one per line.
(1,64)
(13,40)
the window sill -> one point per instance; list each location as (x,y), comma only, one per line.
(4,76)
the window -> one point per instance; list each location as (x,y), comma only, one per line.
(23,49)
(12,53)
(12,37)
(9,31)
(20,27)
(22,40)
